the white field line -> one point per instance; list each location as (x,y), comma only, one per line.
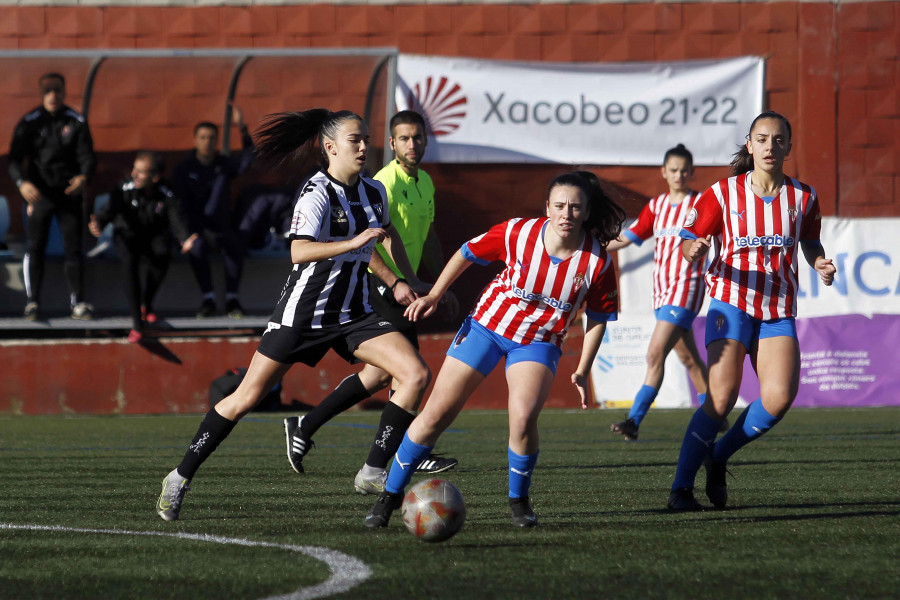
(346,571)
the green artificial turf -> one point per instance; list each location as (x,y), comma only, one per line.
(813,513)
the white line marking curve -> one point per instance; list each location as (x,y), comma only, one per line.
(346,571)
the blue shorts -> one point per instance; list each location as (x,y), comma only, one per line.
(482,349)
(677,315)
(724,321)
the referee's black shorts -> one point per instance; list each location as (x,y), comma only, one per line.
(289,345)
(383,302)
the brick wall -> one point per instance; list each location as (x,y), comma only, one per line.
(832,69)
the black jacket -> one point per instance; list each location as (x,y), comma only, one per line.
(143,213)
(205,190)
(56,148)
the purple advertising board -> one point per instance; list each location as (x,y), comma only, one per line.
(847,360)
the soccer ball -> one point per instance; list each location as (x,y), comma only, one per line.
(434,510)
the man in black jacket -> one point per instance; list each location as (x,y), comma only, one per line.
(144,213)
(202,183)
(51,158)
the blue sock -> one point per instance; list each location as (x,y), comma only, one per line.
(701,398)
(642,401)
(404,464)
(753,422)
(520,469)
(700,435)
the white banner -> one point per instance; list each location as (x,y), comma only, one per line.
(578,113)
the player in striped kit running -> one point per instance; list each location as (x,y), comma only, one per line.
(324,305)
(760,219)
(554,266)
(678,287)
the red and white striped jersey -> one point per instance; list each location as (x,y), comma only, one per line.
(755,268)
(676,281)
(536,297)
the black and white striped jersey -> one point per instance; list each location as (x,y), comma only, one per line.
(333,291)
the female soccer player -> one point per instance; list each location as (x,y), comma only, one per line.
(554,266)
(338,218)
(758,216)
(678,287)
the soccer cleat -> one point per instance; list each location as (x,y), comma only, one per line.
(682,500)
(435,463)
(32,312)
(716,486)
(135,336)
(83,311)
(628,428)
(207,309)
(522,513)
(380,513)
(174,487)
(233,309)
(297,444)
(369,484)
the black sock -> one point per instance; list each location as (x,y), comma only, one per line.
(211,432)
(394,423)
(347,394)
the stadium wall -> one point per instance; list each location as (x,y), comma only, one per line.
(832,68)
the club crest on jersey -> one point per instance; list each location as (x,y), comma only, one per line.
(792,214)
(578,281)
(691,218)
(338,215)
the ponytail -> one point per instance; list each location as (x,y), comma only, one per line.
(742,160)
(294,136)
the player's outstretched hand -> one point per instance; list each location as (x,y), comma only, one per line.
(826,270)
(421,308)
(580,383)
(373,233)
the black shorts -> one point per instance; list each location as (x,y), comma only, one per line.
(383,302)
(289,345)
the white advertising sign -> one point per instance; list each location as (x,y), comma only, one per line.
(581,113)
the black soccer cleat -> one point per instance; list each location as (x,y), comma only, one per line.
(297,444)
(381,512)
(522,513)
(682,500)
(627,428)
(716,486)
(436,463)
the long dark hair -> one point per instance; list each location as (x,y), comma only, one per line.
(605,219)
(297,136)
(743,160)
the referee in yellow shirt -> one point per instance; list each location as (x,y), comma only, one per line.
(410,194)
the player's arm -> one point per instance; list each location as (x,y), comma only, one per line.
(433,257)
(400,288)
(425,305)
(593,336)
(304,250)
(397,251)
(703,222)
(814,253)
